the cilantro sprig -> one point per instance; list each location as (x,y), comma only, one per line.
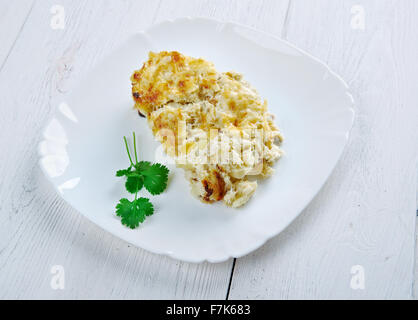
(138,175)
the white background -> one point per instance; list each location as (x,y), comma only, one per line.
(365,214)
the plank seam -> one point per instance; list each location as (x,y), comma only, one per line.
(17,37)
(230,279)
(286,20)
(415,260)
(154,18)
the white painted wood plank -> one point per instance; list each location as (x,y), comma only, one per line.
(365,214)
(265,15)
(37,229)
(12,19)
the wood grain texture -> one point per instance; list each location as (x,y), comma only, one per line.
(12,20)
(37,229)
(265,15)
(365,214)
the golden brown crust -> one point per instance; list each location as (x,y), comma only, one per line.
(177,92)
(170,76)
(214,186)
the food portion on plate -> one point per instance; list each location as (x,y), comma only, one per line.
(214,124)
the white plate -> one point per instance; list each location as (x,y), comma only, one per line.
(83,147)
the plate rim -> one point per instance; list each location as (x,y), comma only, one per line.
(258,243)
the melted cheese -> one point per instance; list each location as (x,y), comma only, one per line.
(222,132)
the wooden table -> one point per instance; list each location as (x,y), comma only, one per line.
(364,216)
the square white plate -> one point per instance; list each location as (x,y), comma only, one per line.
(83,147)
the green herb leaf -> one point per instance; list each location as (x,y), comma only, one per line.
(125,172)
(145,206)
(139,174)
(155,178)
(133,213)
(142,166)
(134,183)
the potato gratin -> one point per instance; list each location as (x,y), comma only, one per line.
(215,125)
